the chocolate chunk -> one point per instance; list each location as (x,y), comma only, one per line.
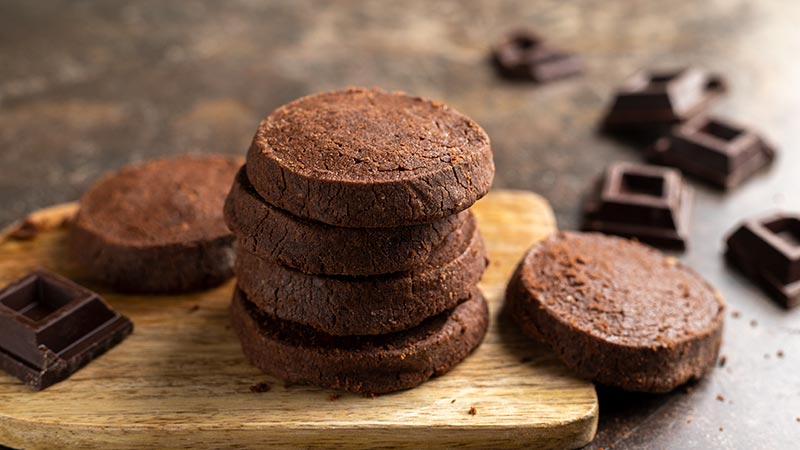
(646,202)
(523,55)
(767,250)
(50,327)
(713,150)
(652,101)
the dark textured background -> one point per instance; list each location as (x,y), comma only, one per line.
(87,86)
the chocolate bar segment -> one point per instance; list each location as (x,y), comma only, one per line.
(654,101)
(50,327)
(649,203)
(767,250)
(714,150)
(523,55)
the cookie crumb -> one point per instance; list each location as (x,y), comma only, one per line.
(720,428)
(452,401)
(722,360)
(720,397)
(260,387)
(753,323)
(689,420)
(797,419)
(25,231)
(472,411)
(333,397)
(736,314)
(780,354)
(193,308)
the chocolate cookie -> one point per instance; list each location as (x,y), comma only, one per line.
(618,312)
(340,305)
(369,158)
(316,248)
(374,364)
(157,227)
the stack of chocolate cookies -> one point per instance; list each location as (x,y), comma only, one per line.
(357,259)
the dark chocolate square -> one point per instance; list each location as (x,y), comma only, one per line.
(653,101)
(523,55)
(714,150)
(649,203)
(50,327)
(767,250)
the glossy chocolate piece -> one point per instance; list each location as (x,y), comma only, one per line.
(650,102)
(523,55)
(50,327)
(713,150)
(767,250)
(649,203)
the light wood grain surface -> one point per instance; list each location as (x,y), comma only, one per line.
(181,381)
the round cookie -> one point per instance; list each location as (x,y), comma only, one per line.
(374,364)
(618,312)
(316,248)
(371,305)
(157,227)
(369,159)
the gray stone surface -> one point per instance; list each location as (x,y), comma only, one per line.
(87,86)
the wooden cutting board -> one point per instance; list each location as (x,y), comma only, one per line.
(181,381)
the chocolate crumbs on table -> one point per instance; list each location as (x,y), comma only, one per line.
(472,411)
(26,231)
(260,387)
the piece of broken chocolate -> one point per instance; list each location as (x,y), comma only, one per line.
(714,150)
(651,102)
(649,203)
(523,55)
(767,250)
(50,327)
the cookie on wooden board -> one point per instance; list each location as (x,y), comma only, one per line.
(370,158)
(372,305)
(372,364)
(618,312)
(317,248)
(157,227)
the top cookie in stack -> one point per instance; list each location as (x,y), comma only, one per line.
(358,262)
(368,158)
